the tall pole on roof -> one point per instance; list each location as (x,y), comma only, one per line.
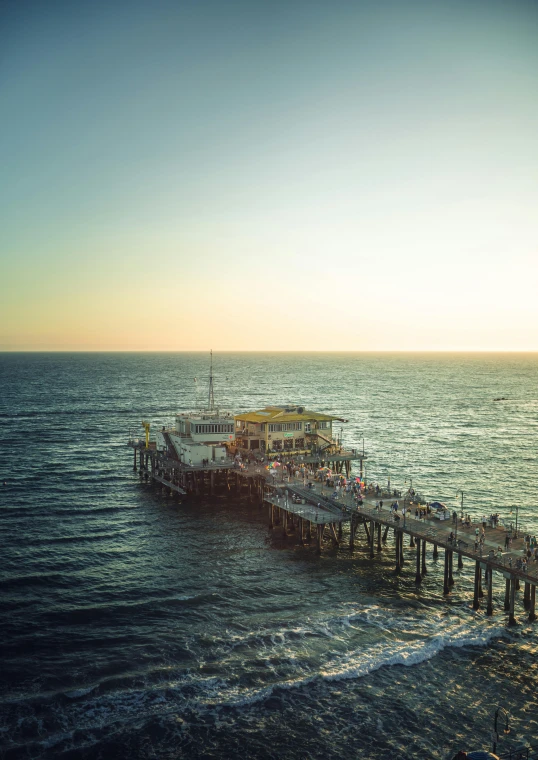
(211,401)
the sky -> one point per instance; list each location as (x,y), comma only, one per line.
(295,175)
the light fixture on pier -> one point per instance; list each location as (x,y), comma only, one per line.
(457,496)
(517,515)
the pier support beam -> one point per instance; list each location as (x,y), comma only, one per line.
(321,531)
(435,553)
(476,597)
(385,534)
(352,529)
(511,614)
(379,547)
(450,568)
(507,595)
(372,538)
(532,605)
(446,586)
(460,562)
(418,576)
(332,528)
(134,462)
(527,595)
(489,609)
(424,568)
(398,567)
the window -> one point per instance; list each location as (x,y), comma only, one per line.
(280,426)
(307,427)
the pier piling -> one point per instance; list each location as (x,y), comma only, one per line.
(532,605)
(527,595)
(476,597)
(511,615)
(446,586)
(489,609)
(424,568)
(418,576)
(450,564)
(507,595)
(398,567)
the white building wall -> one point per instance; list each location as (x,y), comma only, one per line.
(160,443)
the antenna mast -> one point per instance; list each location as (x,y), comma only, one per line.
(211,403)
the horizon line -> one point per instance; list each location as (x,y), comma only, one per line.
(269,351)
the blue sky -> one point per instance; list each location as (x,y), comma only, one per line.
(235,169)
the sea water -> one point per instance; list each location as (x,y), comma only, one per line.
(134,626)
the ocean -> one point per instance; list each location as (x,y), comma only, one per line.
(134,626)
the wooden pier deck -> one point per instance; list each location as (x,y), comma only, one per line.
(316,515)
(377,523)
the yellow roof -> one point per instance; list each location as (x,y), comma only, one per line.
(280,414)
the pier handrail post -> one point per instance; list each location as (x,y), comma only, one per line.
(506,715)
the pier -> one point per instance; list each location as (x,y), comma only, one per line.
(278,454)
(456,541)
(303,507)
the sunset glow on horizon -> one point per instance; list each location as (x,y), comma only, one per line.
(287,176)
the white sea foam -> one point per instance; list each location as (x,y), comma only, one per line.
(76,693)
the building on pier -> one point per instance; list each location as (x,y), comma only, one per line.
(200,437)
(197,437)
(286,429)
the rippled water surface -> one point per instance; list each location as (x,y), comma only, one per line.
(137,627)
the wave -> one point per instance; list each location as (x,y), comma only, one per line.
(239,668)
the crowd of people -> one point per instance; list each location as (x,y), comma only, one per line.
(339,487)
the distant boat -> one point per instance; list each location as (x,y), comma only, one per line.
(502,398)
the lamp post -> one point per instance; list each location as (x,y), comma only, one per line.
(503,713)
(517,514)
(461,515)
